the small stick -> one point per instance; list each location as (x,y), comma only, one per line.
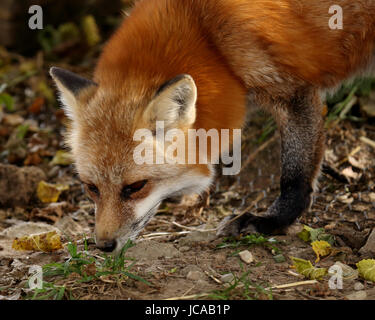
(368,141)
(283,286)
(157,235)
(192,228)
(188,291)
(213,278)
(294,284)
(295,274)
(352,153)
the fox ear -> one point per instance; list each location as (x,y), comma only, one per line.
(70,86)
(174,102)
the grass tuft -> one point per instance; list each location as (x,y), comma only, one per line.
(86,268)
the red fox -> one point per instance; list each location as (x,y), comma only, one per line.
(199,64)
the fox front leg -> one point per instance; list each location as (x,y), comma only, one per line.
(301,127)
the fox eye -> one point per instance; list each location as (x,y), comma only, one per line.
(128,190)
(93,189)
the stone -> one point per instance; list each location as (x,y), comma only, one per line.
(229,277)
(246,256)
(358,286)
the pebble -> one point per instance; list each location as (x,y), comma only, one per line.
(227,277)
(358,286)
(246,256)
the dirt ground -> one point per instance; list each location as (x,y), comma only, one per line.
(180,259)
(178,253)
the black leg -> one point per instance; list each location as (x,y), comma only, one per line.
(302,145)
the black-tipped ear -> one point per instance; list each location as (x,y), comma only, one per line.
(174,102)
(70,85)
(70,81)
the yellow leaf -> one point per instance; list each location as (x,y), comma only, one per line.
(321,249)
(48,192)
(366,269)
(62,158)
(305,268)
(46,242)
(91,30)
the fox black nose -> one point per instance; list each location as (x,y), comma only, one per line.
(107,246)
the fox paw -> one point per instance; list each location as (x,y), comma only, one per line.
(249,223)
(233,226)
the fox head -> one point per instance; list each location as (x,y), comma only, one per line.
(100,134)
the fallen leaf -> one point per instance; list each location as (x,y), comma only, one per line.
(46,242)
(305,268)
(36,106)
(48,192)
(309,234)
(62,158)
(32,159)
(321,249)
(7,101)
(366,269)
(91,30)
(305,234)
